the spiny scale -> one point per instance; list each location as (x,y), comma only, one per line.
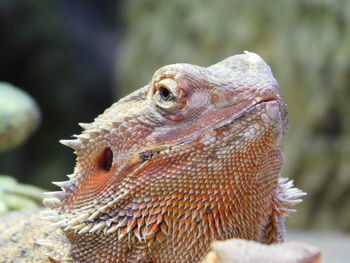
(84,126)
(74,144)
(66,185)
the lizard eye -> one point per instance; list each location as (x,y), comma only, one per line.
(166,94)
(169,97)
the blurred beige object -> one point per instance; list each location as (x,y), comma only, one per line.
(244,251)
(19,116)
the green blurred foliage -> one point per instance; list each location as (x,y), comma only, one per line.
(19,116)
(307,45)
(16,196)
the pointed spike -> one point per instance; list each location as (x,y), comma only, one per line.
(62,223)
(84,126)
(292,191)
(52,202)
(74,144)
(131,224)
(67,228)
(289,183)
(123,222)
(122,234)
(120,197)
(83,217)
(71,176)
(84,137)
(105,128)
(65,184)
(123,126)
(137,233)
(85,230)
(115,132)
(112,229)
(283,179)
(77,228)
(94,229)
(164,228)
(293,202)
(59,194)
(94,131)
(116,123)
(297,195)
(98,227)
(73,222)
(94,216)
(103,209)
(105,231)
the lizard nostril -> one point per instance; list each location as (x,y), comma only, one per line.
(106,159)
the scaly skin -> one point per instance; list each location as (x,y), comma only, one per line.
(194,156)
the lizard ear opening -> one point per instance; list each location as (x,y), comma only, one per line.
(92,186)
(106,160)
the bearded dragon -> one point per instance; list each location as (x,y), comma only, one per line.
(192,157)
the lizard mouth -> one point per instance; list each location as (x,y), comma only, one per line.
(268,101)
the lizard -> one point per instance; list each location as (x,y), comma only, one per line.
(192,157)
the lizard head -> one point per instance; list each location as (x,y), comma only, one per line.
(189,135)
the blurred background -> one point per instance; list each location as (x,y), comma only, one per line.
(75,58)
